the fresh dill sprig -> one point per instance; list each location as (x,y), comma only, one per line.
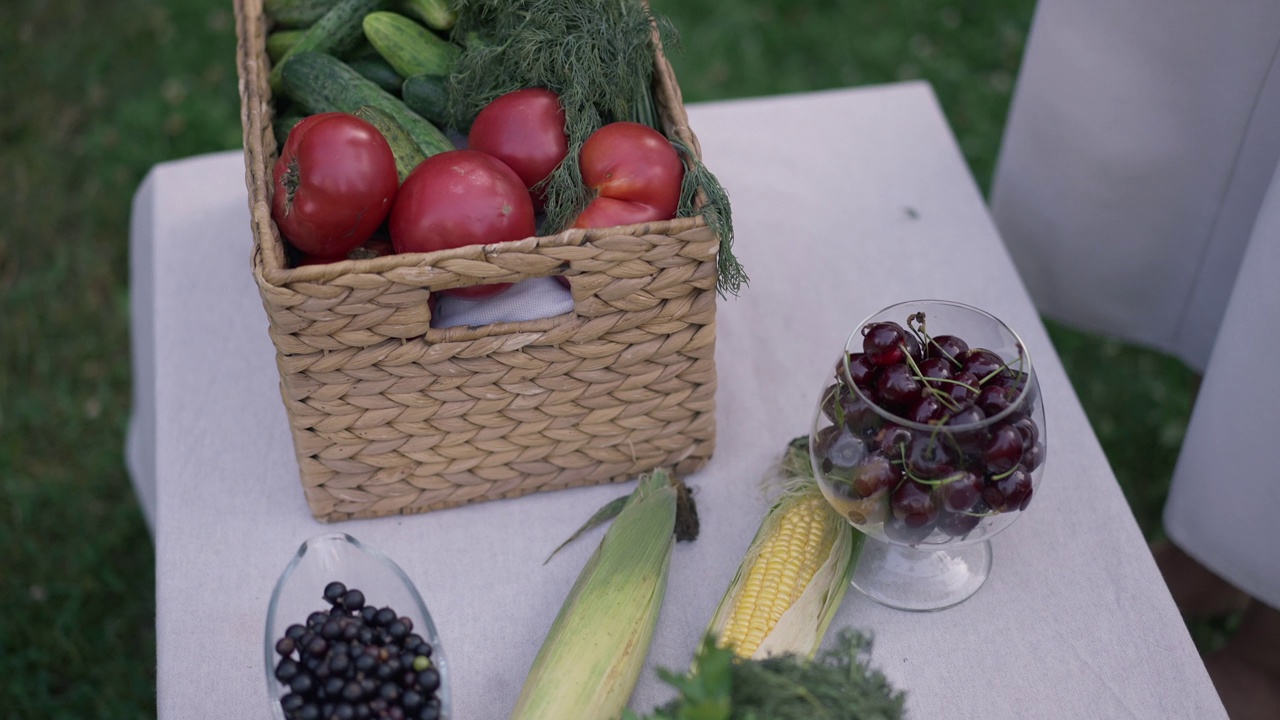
(839,684)
(702,194)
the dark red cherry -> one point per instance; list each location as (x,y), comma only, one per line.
(948,347)
(963,390)
(891,440)
(1033,457)
(882,343)
(860,418)
(837,448)
(960,495)
(875,473)
(994,399)
(914,348)
(914,505)
(861,370)
(897,386)
(982,363)
(1009,492)
(927,409)
(841,405)
(1003,450)
(1029,431)
(929,457)
(936,369)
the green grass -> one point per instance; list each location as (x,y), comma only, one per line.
(96,93)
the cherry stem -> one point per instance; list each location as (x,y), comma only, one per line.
(936,392)
(936,483)
(928,339)
(1004,474)
(1002,368)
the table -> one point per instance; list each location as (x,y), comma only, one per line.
(844,201)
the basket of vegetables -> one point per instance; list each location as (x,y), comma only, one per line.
(406,157)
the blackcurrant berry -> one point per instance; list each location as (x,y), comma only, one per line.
(334,591)
(353,600)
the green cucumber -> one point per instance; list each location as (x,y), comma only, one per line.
(435,14)
(280,42)
(323,83)
(337,32)
(408,46)
(405,150)
(428,96)
(283,124)
(381,73)
(296,13)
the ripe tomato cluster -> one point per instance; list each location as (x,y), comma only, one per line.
(336,182)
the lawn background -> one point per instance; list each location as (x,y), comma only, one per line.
(95,93)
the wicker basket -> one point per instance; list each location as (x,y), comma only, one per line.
(390,415)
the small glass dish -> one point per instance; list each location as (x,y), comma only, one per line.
(339,557)
(928,451)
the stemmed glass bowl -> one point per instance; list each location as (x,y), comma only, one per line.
(340,557)
(929,437)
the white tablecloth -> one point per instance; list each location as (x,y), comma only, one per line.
(844,202)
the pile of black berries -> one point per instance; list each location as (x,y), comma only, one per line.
(356,661)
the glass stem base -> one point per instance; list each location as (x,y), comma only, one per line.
(921,579)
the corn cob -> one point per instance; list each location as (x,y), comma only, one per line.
(592,657)
(791,579)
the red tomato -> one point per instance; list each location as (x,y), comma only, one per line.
(335,181)
(525,130)
(635,172)
(457,198)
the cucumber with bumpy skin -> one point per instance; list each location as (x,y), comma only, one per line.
(280,42)
(296,13)
(435,14)
(428,96)
(408,46)
(283,123)
(381,73)
(405,150)
(337,32)
(323,83)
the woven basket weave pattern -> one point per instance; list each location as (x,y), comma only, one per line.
(389,415)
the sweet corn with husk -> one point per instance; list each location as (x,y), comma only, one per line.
(791,579)
(592,657)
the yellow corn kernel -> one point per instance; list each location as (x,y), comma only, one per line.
(790,554)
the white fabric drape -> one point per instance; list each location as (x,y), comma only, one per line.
(1132,192)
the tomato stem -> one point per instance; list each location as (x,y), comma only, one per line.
(290,181)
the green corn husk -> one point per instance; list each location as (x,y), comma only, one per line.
(590,662)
